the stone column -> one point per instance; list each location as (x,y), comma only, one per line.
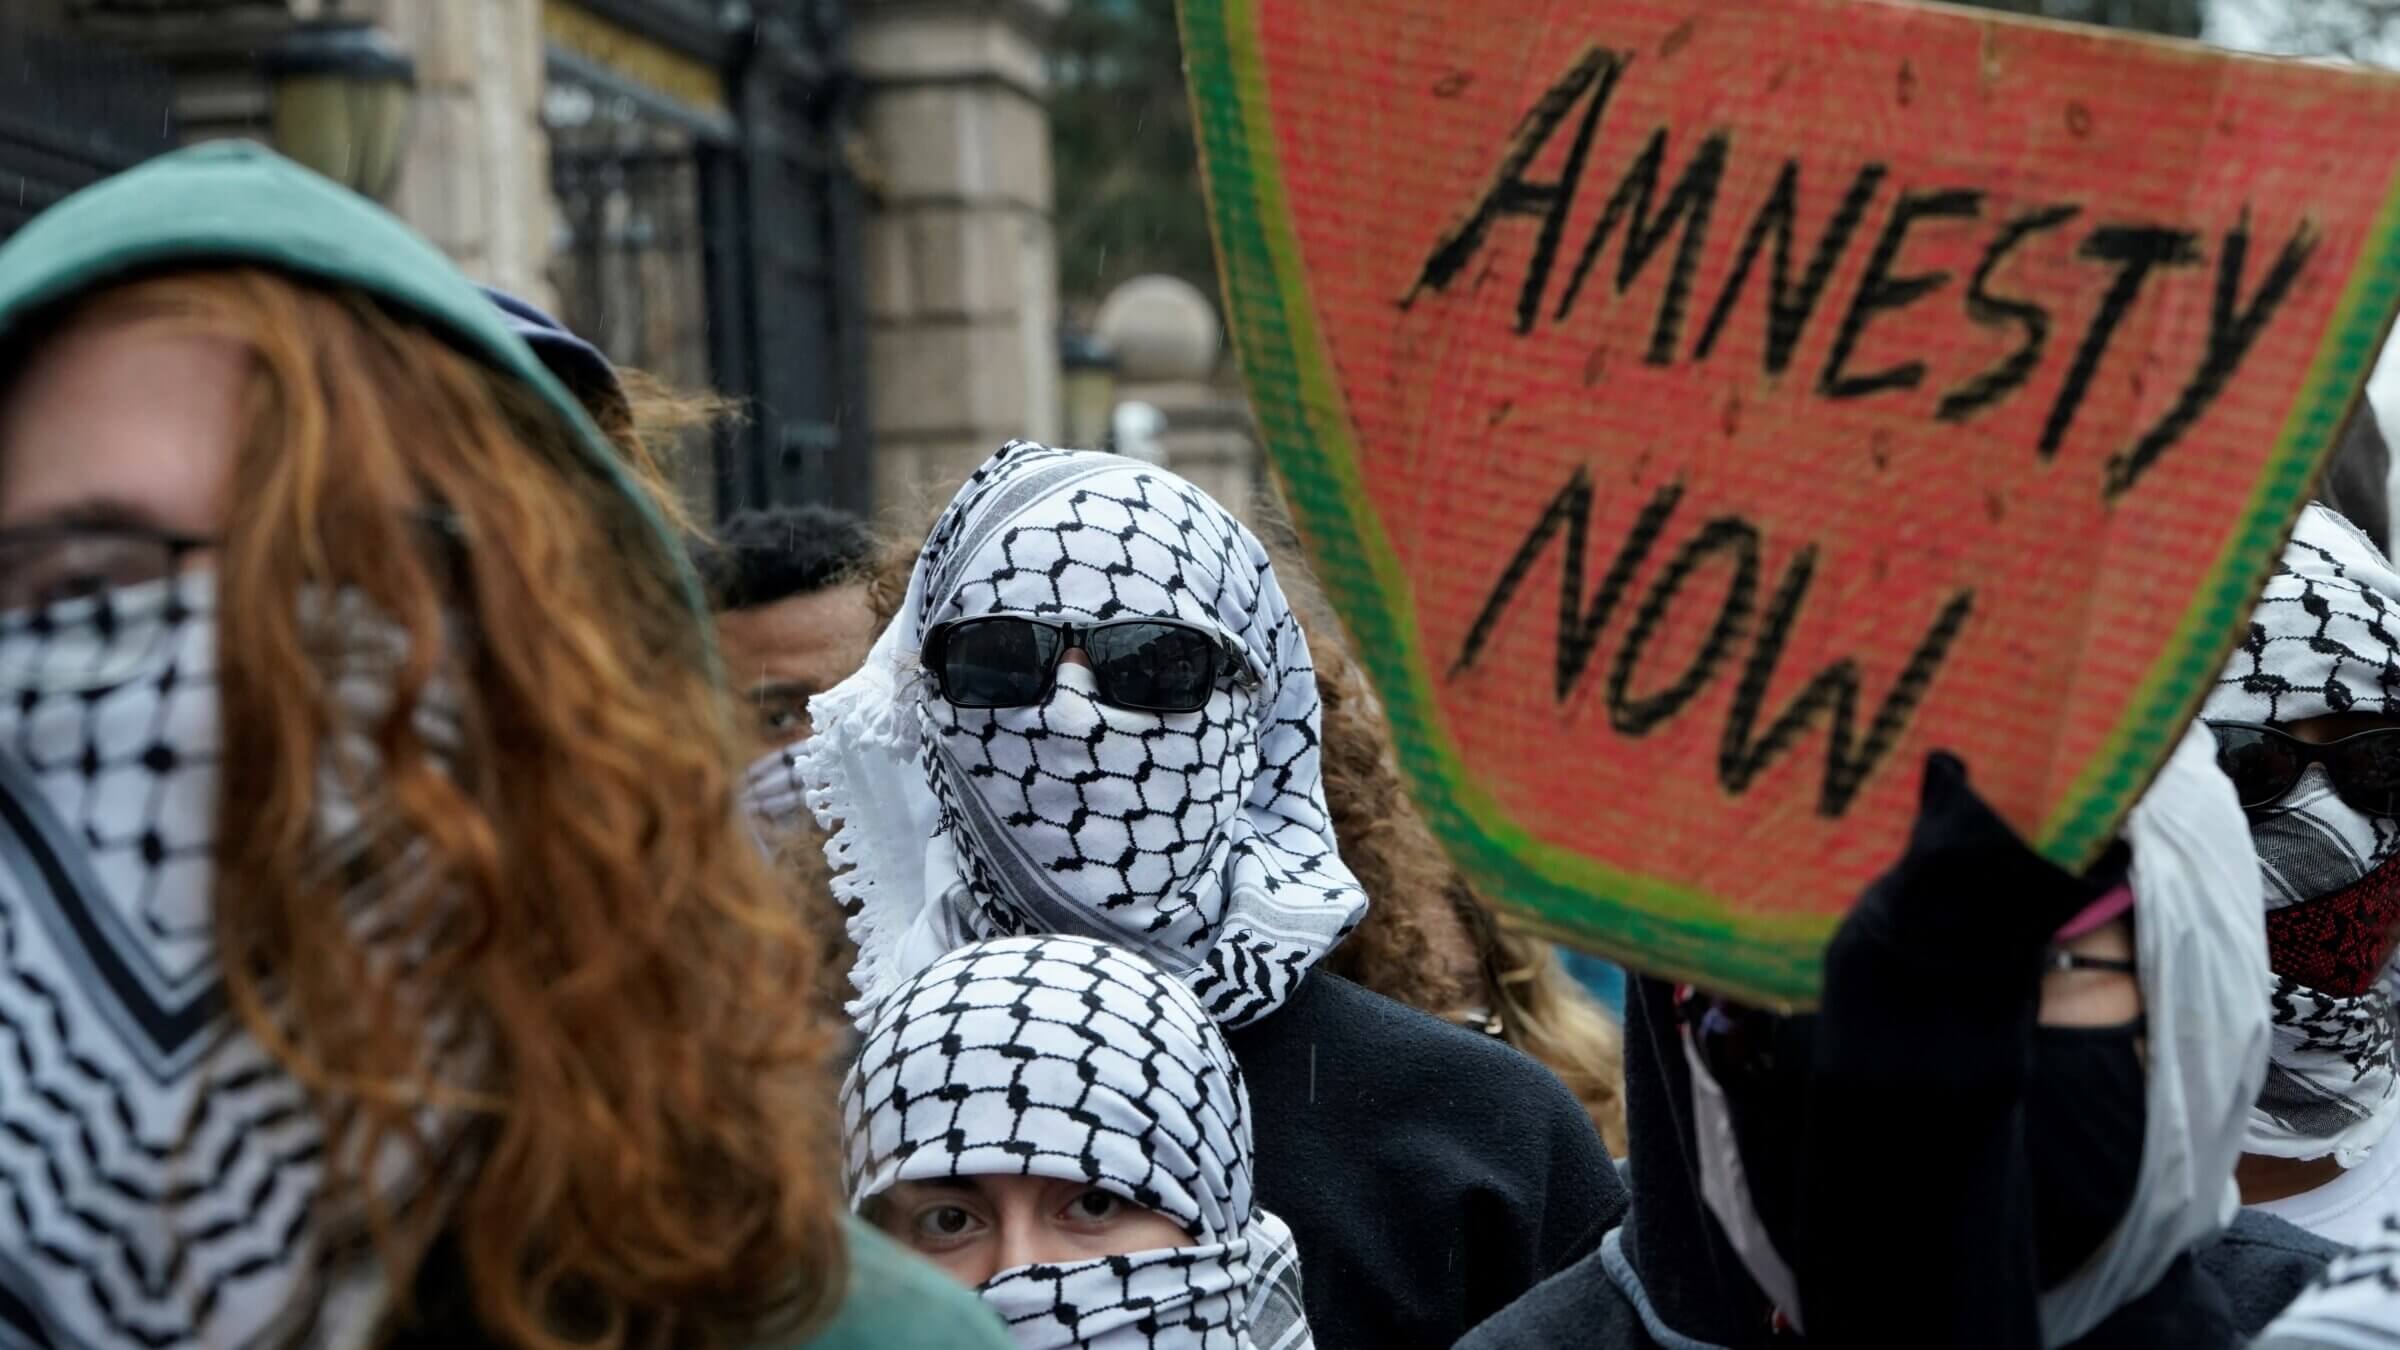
(962,293)
(476,178)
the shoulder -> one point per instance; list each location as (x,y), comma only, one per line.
(1378,1048)
(1582,1305)
(896,1302)
(2262,1263)
(1439,1093)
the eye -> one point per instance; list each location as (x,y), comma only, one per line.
(1095,1206)
(946,1225)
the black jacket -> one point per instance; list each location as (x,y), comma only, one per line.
(1431,1175)
(1667,1280)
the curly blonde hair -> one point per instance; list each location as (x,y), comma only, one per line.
(652,1141)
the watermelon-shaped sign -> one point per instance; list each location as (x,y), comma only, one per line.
(1700,410)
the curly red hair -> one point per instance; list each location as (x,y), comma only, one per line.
(644,1056)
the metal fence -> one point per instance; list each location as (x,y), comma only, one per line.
(719,248)
(71,113)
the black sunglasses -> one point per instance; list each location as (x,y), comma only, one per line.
(1147,664)
(2265,763)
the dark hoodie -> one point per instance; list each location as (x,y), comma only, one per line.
(1668,1279)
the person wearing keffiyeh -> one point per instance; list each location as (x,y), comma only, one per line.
(2322,661)
(1200,840)
(1064,1107)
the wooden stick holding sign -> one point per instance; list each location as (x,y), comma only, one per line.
(1701,409)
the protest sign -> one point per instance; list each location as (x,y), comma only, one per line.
(1699,410)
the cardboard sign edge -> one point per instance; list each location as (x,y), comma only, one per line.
(1660,927)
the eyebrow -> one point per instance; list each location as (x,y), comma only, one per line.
(93,513)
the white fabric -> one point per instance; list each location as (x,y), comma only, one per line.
(2354,1305)
(161,1172)
(2349,1209)
(2200,946)
(1725,1189)
(1073,1060)
(2325,639)
(1200,840)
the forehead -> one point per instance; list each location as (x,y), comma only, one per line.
(1104,546)
(122,419)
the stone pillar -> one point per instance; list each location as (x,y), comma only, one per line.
(962,293)
(476,178)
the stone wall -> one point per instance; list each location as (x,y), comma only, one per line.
(476,179)
(962,269)
(477,176)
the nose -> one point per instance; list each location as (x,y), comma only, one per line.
(1021,1240)
(1073,656)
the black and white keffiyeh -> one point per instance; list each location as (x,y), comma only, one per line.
(2325,639)
(1200,840)
(1073,1060)
(2354,1305)
(161,1176)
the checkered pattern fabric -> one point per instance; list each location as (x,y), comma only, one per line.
(2354,1305)
(2325,640)
(1200,840)
(1067,1059)
(160,1175)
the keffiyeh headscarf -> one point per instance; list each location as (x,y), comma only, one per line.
(1072,1060)
(163,1174)
(1200,840)
(2325,639)
(2354,1305)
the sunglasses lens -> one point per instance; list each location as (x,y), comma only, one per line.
(2262,765)
(2366,772)
(1157,667)
(999,662)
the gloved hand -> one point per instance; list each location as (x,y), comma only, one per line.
(1915,1220)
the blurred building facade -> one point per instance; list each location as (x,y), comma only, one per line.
(835,211)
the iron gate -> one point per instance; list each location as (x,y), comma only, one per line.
(71,113)
(719,247)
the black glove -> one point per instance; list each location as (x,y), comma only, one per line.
(1915,1220)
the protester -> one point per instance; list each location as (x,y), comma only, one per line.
(382,956)
(1057,1123)
(1978,1141)
(1428,940)
(2307,719)
(1163,792)
(788,584)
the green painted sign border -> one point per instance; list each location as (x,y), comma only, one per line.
(1659,926)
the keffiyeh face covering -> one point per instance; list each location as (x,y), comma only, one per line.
(1061,1058)
(163,1173)
(2325,640)
(1200,840)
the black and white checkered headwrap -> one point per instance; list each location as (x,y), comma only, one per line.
(2325,639)
(1200,840)
(1073,1060)
(161,1175)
